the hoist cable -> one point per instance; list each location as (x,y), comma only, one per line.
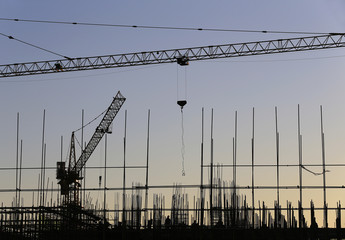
(183,150)
(185,82)
(181,103)
(177,85)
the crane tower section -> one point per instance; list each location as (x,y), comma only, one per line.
(69,177)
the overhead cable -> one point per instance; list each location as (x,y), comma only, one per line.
(35,46)
(163,27)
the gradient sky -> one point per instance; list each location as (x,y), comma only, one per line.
(310,79)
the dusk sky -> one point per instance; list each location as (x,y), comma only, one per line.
(310,79)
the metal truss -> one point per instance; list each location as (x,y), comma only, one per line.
(102,128)
(181,56)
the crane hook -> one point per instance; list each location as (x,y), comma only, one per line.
(181,103)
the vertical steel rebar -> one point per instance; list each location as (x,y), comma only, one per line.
(147,166)
(234,169)
(211,173)
(42,161)
(253,196)
(82,201)
(277,220)
(300,207)
(325,221)
(20,170)
(44,173)
(202,171)
(61,159)
(124,174)
(105,178)
(17,149)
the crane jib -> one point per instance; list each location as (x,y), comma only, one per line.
(333,40)
(102,128)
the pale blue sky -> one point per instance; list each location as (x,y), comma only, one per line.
(282,80)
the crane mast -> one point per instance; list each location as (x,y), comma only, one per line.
(69,178)
(181,56)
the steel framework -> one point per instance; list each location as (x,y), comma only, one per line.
(181,56)
(102,128)
(73,174)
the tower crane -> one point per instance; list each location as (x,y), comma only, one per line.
(69,178)
(182,56)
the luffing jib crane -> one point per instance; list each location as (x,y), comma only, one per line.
(182,56)
(69,178)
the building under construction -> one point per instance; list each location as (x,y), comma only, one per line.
(222,208)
